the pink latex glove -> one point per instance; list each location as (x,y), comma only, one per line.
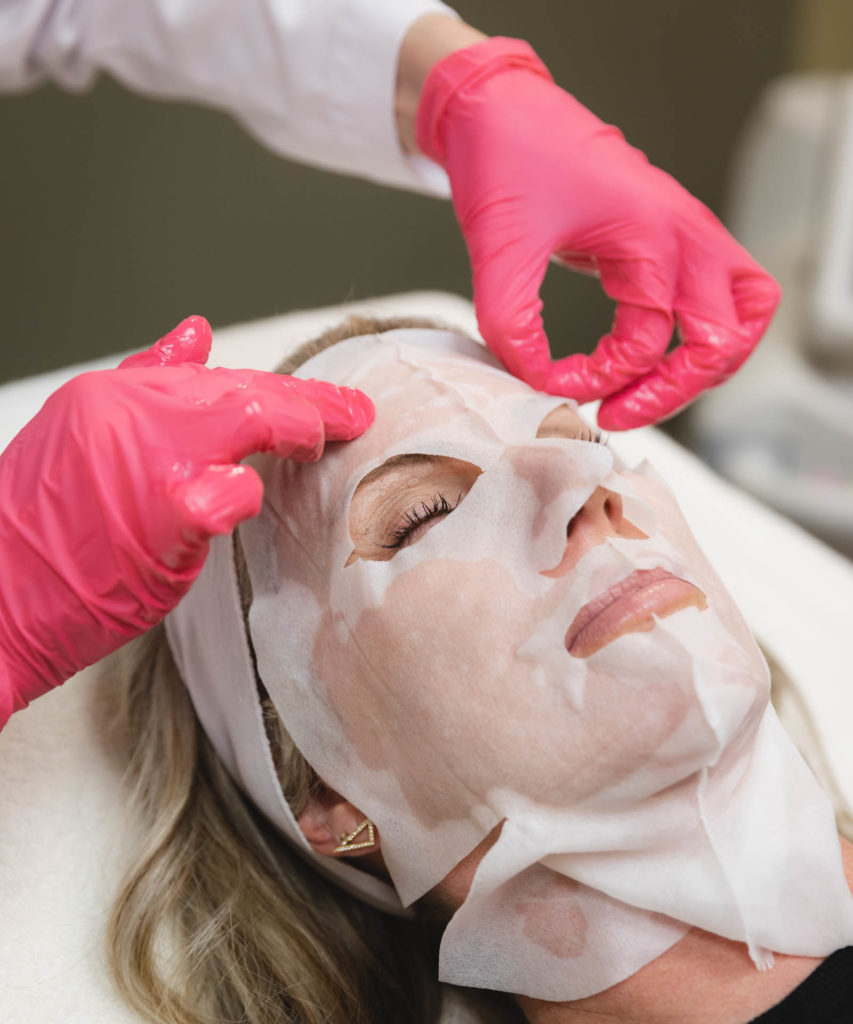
(534,173)
(109,496)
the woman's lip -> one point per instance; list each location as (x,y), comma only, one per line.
(629,607)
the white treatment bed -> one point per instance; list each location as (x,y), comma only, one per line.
(63,836)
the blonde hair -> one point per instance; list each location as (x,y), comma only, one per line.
(219,918)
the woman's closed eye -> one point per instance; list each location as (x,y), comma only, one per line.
(395,504)
(418,519)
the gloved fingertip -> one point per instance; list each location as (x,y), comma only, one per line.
(344,412)
(756,295)
(219,498)
(188,342)
(616,417)
(772,293)
(359,414)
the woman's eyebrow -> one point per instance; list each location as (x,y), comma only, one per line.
(396,462)
(556,422)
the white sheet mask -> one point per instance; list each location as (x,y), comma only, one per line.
(643,782)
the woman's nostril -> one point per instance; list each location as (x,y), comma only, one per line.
(602,507)
(613,508)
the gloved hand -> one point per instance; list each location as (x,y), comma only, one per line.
(109,496)
(534,173)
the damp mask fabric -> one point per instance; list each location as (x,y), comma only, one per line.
(643,788)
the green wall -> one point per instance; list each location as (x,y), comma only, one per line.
(121,215)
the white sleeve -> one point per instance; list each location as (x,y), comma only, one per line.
(312,79)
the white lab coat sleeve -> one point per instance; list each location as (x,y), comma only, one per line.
(313,80)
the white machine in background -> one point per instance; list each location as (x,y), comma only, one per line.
(782,427)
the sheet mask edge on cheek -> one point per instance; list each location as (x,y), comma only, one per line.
(559,937)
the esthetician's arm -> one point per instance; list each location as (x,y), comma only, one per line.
(313,80)
(110,494)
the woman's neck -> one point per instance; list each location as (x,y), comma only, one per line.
(703,979)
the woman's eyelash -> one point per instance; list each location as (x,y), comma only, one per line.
(415,517)
(584,433)
(595,436)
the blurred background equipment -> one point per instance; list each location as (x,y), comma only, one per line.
(782,427)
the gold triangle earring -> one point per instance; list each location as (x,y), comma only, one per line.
(346,838)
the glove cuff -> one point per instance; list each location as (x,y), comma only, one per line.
(464,69)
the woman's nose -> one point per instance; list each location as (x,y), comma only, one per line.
(599,517)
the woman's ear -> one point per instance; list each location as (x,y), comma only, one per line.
(329,822)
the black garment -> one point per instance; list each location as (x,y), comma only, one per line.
(825,997)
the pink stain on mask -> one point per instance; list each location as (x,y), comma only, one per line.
(552,916)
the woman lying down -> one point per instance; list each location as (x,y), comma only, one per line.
(499,725)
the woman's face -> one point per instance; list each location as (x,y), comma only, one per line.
(474,615)
(497,619)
